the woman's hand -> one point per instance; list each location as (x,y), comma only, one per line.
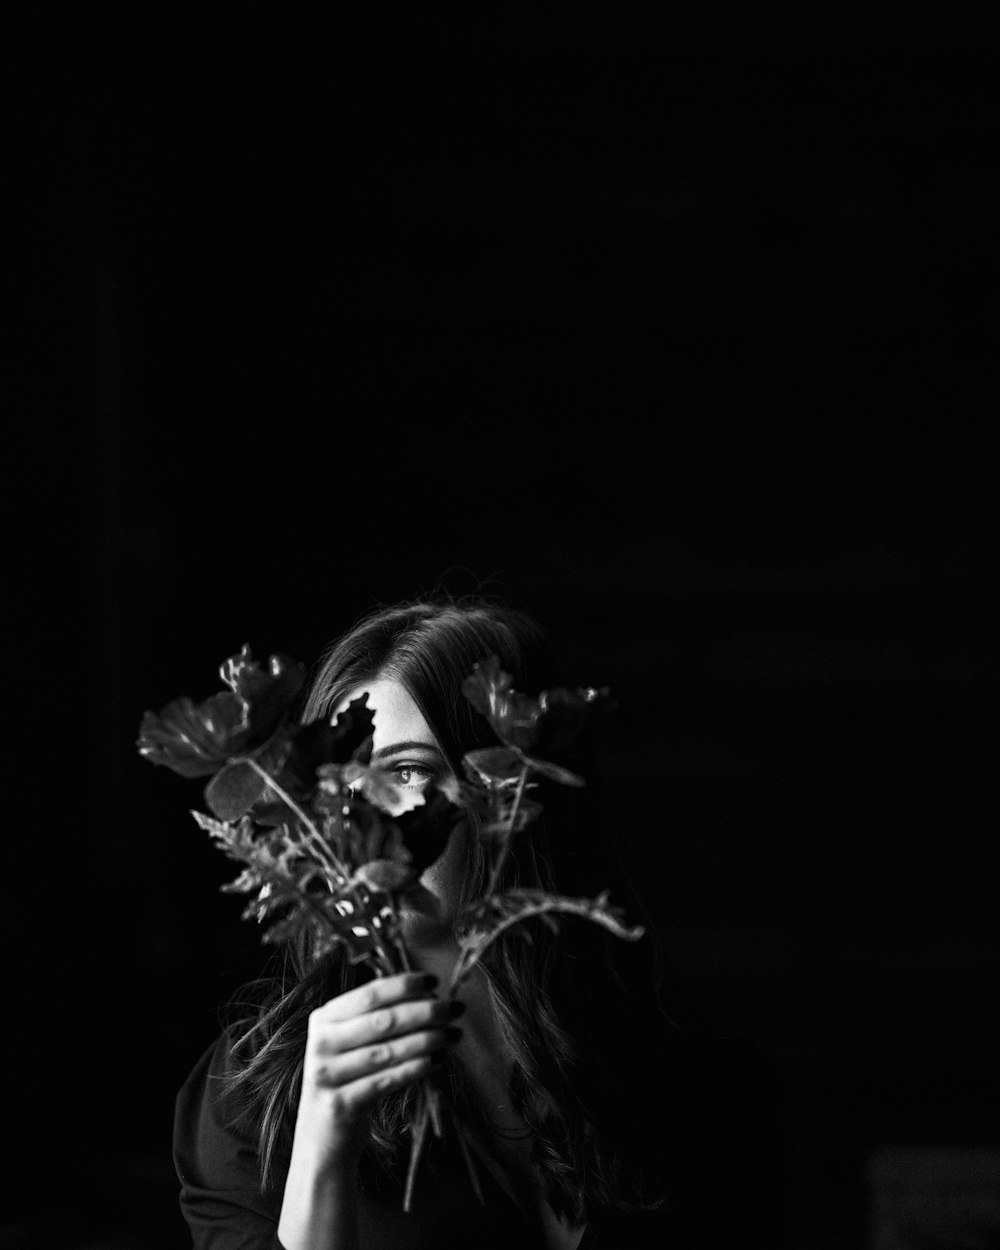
(367,1042)
(362,1044)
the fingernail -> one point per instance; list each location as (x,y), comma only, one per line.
(452,1034)
(430,981)
(455,1009)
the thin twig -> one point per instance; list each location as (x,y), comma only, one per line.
(508,832)
(589,909)
(321,845)
(419,1131)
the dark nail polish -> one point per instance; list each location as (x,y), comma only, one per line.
(430,981)
(455,1009)
(452,1034)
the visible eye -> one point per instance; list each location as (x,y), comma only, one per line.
(413,776)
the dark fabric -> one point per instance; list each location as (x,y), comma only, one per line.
(216,1164)
(717,1137)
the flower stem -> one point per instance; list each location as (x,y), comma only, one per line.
(596,910)
(466,959)
(386,950)
(317,838)
(508,833)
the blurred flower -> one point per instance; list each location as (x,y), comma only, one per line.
(534,731)
(197,739)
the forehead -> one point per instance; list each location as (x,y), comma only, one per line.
(397,717)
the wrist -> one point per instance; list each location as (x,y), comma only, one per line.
(319,1207)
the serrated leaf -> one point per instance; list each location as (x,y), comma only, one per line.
(378,787)
(425,830)
(489,917)
(247,880)
(237,839)
(353,730)
(319,745)
(369,834)
(221,829)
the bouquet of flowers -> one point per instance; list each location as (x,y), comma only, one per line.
(307,814)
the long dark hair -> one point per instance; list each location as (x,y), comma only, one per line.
(569,1080)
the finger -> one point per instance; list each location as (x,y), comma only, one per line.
(382,992)
(352,1065)
(358,1094)
(337,1036)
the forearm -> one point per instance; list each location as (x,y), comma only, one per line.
(367,1042)
(319,1210)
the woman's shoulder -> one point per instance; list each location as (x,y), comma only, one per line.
(211,1121)
(216,1158)
(208,1079)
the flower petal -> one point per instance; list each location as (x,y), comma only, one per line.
(194,739)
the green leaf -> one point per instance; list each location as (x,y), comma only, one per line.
(237,840)
(555,772)
(369,834)
(377,786)
(233,790)
(353,731)
(315,751)
(495,766)
(486,919)
(425,830)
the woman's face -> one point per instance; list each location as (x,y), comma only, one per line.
(404,745)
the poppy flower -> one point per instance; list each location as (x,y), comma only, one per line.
(532,730)
(196,739)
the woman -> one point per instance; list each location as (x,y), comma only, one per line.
(598,1115)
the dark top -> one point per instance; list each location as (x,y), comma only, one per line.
(725,1171)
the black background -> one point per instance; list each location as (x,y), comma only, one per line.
(675,329)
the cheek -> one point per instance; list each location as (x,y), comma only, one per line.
(445,876)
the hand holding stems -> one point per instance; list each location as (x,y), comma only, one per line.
(362,1044)
(387,954)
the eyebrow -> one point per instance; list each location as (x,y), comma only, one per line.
(411,744)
